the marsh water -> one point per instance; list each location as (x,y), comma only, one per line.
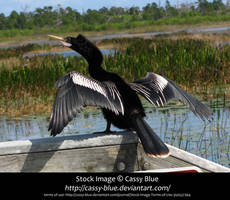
(174,123)
(67,53)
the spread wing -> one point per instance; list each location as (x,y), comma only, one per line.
(76,91)
(159,90)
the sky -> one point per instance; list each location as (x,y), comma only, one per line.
(7,6)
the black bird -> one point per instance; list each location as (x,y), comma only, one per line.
(119,101)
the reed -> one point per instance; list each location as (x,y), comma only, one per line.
(188,62)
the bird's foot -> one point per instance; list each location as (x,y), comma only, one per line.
(105,132)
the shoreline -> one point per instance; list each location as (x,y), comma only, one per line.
(145,32)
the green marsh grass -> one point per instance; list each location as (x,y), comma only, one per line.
(29,84)
(188,62)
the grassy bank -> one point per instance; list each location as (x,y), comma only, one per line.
(27,86)
(13,36)
(128,25)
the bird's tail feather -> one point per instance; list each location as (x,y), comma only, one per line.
(152,144)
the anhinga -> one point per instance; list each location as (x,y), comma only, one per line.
(119,101)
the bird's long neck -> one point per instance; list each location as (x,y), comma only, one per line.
(91,53)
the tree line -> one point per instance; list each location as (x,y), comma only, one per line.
(59,17)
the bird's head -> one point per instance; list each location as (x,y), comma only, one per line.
(83,46)
(75,43)
(65,41)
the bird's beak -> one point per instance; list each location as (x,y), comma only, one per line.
(62,40)
(57,38)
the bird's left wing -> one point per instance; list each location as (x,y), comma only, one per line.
(76,91)
(159,90)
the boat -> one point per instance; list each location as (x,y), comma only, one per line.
(120,152)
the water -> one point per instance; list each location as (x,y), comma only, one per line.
(205,30)
(153,34)
(175,124)
(67,53)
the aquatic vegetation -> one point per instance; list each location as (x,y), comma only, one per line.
(187,62)
(190,63)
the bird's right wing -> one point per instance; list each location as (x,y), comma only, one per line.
(76,91)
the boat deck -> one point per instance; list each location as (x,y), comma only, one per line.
(120,152)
